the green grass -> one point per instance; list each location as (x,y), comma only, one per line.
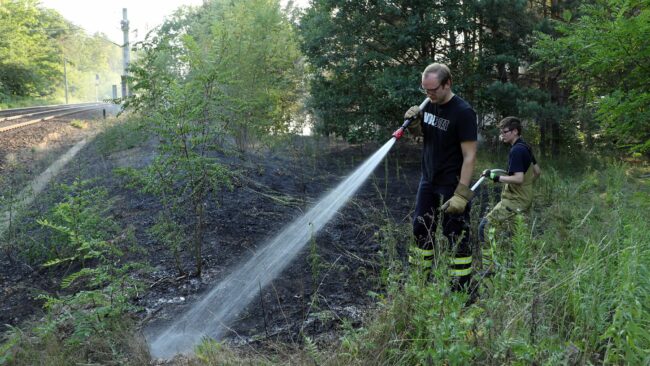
(45,345)
(576,289)
(20,102)
(120,134)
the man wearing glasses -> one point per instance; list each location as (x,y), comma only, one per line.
(449,130)
(517,194)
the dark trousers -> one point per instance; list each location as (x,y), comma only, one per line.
(486,250)
(428,216)
(481,230)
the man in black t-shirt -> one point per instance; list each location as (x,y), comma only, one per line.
(449,131)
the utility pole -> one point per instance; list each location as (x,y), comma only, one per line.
(65,78)
(125,52)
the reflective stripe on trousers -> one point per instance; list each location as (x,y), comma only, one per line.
(460,266)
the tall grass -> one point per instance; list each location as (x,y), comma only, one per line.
(575,287)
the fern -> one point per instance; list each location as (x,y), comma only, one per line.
(56,227)
(8,348)
(50,301)
(57,261)
(85,272)
(312,350)
(105,287)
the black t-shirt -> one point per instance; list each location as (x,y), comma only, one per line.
(444,127)
(520,157)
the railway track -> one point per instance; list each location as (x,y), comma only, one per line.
(11,119)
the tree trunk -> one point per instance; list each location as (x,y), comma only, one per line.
(556,138)
(503,75)
(543,137)
(585,118)
(198,238)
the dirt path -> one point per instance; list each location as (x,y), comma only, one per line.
(36,186)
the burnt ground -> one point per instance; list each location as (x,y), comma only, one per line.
(325,286)
(24,154)
(304,299)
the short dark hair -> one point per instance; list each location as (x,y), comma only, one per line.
(511,123)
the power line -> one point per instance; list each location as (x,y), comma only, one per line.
(85,33)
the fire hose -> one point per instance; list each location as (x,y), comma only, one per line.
(478,182)
(400,131)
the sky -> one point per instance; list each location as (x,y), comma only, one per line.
(105,15)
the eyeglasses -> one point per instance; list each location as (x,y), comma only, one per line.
(503,132)
(430,91)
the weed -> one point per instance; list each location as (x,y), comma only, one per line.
(89,321)
(572,286)
(120,134)
(77,123)
(315,261)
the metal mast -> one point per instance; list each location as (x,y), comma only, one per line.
(125,53)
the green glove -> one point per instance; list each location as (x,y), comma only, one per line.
(457,203)
(492,174)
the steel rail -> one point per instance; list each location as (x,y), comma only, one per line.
(23,124)
(18,116)
(12,111)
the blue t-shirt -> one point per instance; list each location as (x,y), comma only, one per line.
(520,157)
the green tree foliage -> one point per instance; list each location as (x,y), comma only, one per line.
(250,50)
(249,59)
(209,76)
(603,57)
(33,45)
(30,62)
(368,56)
(90,57)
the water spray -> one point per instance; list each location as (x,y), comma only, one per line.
(214,312)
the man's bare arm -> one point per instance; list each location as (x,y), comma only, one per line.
(468,149)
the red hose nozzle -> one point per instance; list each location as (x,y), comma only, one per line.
(400,131)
